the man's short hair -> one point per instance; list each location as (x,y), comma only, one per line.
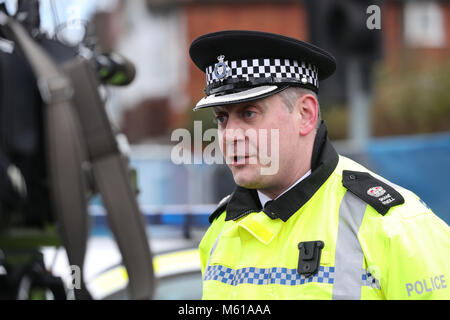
(292,94)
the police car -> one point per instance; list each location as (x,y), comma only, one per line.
(177,275)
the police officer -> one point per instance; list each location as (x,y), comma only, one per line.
(303,221)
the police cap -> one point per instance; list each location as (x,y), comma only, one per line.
(242,66)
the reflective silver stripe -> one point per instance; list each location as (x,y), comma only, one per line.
(212,251)
(349,255)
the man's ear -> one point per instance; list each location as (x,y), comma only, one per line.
(307,107)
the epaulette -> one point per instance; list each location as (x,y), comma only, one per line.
(376,193)
(220,208)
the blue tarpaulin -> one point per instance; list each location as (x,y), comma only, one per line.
(420,163)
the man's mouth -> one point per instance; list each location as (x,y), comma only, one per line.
(237,161)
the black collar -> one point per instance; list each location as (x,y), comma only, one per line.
(324,160)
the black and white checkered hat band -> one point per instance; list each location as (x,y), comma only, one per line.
(305,73)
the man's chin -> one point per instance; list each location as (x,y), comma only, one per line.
(245,179)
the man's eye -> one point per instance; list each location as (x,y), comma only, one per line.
(221,118)
(249,114)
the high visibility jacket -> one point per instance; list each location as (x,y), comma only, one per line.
(380,241)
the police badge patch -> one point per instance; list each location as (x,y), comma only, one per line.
(376,193)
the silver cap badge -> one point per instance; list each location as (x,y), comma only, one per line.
(221,68)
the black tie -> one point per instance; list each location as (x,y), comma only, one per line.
(268,203)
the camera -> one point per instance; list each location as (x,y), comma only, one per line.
(57,150)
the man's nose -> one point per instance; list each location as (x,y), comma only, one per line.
(233,131)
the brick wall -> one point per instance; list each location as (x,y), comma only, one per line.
(395,49)
(290,19)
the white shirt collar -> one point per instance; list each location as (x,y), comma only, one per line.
(263,198)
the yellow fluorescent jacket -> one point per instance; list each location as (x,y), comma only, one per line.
(401,254)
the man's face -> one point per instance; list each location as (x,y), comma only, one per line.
(259,141)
